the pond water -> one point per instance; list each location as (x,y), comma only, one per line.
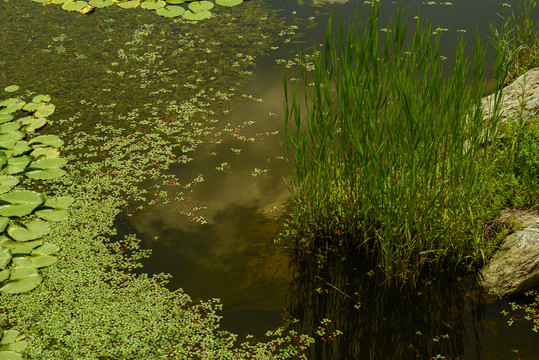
(131,71)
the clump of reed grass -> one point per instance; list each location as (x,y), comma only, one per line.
(388,152)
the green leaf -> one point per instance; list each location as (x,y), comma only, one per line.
(46,249)
(175,2)
(101,3)
(196,16)
(11,88)
(22,285)
(43,260)
(21,148)
(10,355)
(3,224)
(22,271)
(62,202)
(19,248)
(228,2)
(20,261)
(20,202)
(3,159)
(170,11)
(10,336)
(74,6)
(153,5)
(52,214)
(43,164)
(46,140)
(17,164)
(128,4)
(46,174)
(4,275)
(28,230)
(41,98)
(32,106)
(45,152)
(13,107)
(5,257)
(7,183)
(200,6)
(9,127)
(48,109)
(4,118)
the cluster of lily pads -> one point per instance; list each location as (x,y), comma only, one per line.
(25,214)
(196,10)
(12,344)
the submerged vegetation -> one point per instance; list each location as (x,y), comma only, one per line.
(390,154)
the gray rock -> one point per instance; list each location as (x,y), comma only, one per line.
(519,98)
(514,268)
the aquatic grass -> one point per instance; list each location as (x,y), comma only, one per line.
(388,150)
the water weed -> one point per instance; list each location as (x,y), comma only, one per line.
(388,152)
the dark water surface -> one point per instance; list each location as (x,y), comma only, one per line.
(225,248)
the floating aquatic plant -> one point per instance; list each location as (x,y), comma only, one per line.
(22,252)
(12,344)
(197,10)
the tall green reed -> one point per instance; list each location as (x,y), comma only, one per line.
(388,153)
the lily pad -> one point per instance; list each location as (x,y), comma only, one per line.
(196,16)
(101,3)
(4,118)
(32,106)
(4,275)
(74,5)
(128,4)
(20,248)
(45,152)
(62,202)
(175,2)
(46,174)
(170,11)
(22,271)
(28,230)
(5,257)
(3,224)
(16,106)
(22,285)
(153,5)
(200,6)
(46,249)
(16,164)
(41,98)
(46,140)
(12,340)
(20,203)
(48,109)
(3,159)
(43,261)
(43,164)
(7,183)
(228,2)
(12,137)
(9,127)
(21,148)
(11,88)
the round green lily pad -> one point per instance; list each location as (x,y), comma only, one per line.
(170,11)
(28,230)
(42,164)
(4,118)
(153,5)
(5,257)
(228,2)
(200,6)
(128,4)
(11,88)
(45,152)
(46,140)
(196,16)
(22,285)
(48,109)
(41,98)
(45,174)
(101,3)
(175,2)
(7,183)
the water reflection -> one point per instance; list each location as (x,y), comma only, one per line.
(442,317)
